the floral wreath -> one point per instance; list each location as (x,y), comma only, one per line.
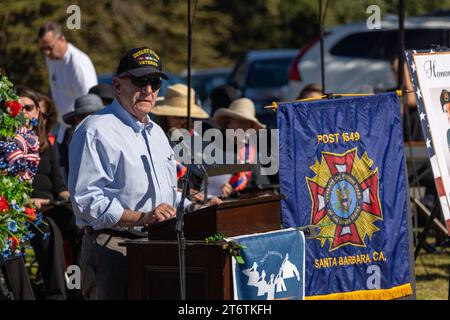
(19,160)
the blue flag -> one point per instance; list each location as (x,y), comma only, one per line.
(274,266)
(342,169)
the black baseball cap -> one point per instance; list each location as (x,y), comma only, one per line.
(140,62)
(445,97)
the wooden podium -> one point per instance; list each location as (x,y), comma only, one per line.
(153,263)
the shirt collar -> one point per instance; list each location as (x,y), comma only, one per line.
(66,55)
(65,58)
(130,120)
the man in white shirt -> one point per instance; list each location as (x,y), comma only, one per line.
(71,72)
(122,175)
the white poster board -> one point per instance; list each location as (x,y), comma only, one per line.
(430,75)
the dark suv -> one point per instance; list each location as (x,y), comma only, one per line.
(260,76)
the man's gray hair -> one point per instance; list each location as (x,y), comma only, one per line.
(52,26)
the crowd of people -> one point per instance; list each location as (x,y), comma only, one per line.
(107,164)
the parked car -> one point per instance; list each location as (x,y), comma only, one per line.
(357,59)
(107,78)
(260,75)
(204,81)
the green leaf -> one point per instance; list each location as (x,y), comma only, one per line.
(240,260)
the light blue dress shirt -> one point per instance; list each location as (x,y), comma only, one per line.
(117,163)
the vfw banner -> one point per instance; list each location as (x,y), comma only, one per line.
(342,169)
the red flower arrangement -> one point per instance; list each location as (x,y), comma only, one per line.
(14,242)
(19,159)
(13,107)
(4,206)
(30,213)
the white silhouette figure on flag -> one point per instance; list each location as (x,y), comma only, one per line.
(287,270)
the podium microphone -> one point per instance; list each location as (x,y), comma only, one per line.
(196,160)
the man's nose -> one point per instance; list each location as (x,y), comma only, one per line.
(148,89)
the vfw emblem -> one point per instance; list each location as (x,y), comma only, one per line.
(344,198)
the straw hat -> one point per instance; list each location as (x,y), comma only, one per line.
(242,109)
(175,103)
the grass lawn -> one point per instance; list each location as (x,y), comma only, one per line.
(432,271)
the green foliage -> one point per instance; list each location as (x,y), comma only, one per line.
(13,189)
(108,30)
(9,124)
(222,29)
(234,247)
(17,194)
(16,208)
(215,238)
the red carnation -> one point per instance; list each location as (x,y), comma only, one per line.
(13,107)
(14,242)
(3,204)
(31,214)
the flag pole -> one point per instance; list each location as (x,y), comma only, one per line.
(322,64)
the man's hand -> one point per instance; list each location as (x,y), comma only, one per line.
(39,202)
(65,195)
(195,196)
(162,212)
(134,218)
(214,201)
(210,202)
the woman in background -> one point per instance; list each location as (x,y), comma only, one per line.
(241,114)
(171,114)
(47,187)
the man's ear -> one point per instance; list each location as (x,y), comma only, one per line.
(116,85)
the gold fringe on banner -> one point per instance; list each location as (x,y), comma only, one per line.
(274,105)
(382,294)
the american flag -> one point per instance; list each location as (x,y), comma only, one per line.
(19,156)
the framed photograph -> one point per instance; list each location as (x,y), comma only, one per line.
(430,75)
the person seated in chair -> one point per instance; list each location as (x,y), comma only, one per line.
(240,114)
(170,114)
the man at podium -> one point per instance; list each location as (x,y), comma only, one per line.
(122,174)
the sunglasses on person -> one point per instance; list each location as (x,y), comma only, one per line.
(28,107)
(143,81)
(50,47)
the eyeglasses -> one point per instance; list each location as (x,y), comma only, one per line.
(141,82)
(28,107)
(50,47)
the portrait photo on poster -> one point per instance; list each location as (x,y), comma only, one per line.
(439,119)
